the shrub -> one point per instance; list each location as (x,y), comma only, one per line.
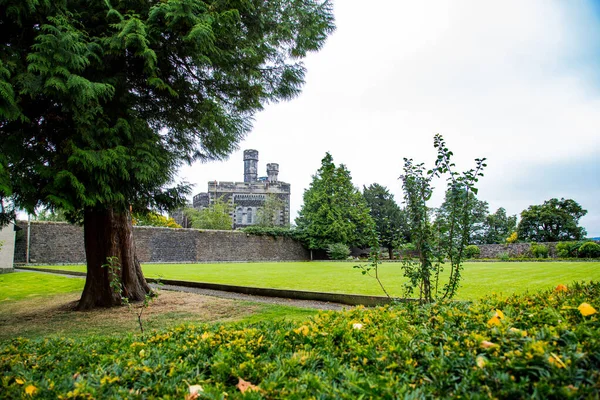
(512,238)
(589,250)
(567,249)
(539,250)
(407,250)
(472,251)
(503,256)
(545,345)
(338,251)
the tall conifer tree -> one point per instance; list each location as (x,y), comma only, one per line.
(102,101)
(334,211)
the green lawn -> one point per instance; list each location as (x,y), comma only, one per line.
(27,285)
(40,305)
(479,278)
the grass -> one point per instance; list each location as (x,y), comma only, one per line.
(479,279)
(37,305)
(27,285)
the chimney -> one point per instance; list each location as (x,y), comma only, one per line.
(250,165)
(272,172)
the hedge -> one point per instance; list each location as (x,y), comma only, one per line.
(544,345)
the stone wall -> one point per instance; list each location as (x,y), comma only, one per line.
(513,249)
(57,243)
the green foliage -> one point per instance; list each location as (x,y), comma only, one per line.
(589,250)
(539,250)
(567,249)
(268,215)
(101,102)
(498,226)
(512,238)
(47,214)
(216,216)
(472,251)
(541,346)
(424,274)
(274,231)
(555,220)
(504,256)
(477,210)
(390,220)
(334,211)
(154,219)
(338,251)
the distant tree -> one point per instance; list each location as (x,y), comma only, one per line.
(102,101)
(390,220)
(555,220)
(47,214)
(154,219)
(216,216)
(334,211)
(477,209)
(498,226)
(268,215)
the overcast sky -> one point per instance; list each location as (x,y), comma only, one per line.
(517,82)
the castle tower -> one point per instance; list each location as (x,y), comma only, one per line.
(250,165)
(272,172)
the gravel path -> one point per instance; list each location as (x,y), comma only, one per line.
(319,305)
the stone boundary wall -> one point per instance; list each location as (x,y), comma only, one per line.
(59,242)
(513,249)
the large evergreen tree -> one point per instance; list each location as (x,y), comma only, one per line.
(390,220)
(477,213)
(102,101)
(553,221)
(499,226)
(334,211)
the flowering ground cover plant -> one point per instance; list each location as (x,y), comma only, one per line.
(545,345)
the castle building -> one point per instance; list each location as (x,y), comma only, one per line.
(248,197)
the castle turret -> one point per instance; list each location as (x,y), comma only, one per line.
(250,165)
(272,172)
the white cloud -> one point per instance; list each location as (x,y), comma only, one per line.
(512,81)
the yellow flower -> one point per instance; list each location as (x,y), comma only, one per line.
(555,360)
(494,321)
(30,390)
(585,309)
(19,381)
(499,314)
(303,329)
(142,352)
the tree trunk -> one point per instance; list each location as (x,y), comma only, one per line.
(113,270)
(391,252)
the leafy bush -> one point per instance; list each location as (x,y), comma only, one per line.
(539,250)
(503,256)
(154,219)
(567,249)
(472,251)
(512,238)
(589,250)
(338,251)
(545,345)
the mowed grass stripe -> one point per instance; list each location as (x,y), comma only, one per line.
(479,278)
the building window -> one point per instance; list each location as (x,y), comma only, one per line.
(238,216)
(249,216)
